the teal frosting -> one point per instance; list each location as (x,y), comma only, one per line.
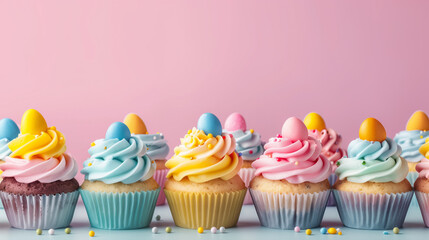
(114,160)
(410,142)
(157,148)
(4,149)
(373,162)
(248,144)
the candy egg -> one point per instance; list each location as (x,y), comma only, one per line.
(235,122)
(294,129)
(135,124)
(418,121)
(33,123)
(8,129)
(209,123)
(314,121)
(119,131)
(372,130)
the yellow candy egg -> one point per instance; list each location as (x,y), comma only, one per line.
(418,121)
(135,124)
(314,121)
(372,130)
(33,123)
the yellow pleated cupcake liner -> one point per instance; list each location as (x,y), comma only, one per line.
(194,209)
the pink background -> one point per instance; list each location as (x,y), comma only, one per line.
(85,64)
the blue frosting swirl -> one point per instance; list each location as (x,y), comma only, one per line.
(410,142)
(114,160)
(248,144)
(4,149)
(157,148)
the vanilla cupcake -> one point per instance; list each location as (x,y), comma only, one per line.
(156,148)
(421,186)
(291,186)
(248,145)
(202,187)
(372,191)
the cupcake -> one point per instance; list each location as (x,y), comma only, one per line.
(248,145)
(421,186)
(202,187)
(38,188)
(119,191)
(156,149)
(372,191)
(411,140)
(330,141)
(291,186)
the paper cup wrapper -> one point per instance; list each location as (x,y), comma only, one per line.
(372,211)
(107,210)
(194,209)
(331,200)
(412,177)
(247,175)
(159,177)
(286,211)
(39,211)
(423,200)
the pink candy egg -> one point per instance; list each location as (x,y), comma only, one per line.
(235,122)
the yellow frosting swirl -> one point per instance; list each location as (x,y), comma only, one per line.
(424,149)
(202,158)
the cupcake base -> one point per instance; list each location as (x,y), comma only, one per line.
(247,175)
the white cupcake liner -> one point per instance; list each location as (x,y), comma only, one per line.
(285,211)
(159,177)
(412,177)
(332,179)
(372,211)
(247,175)
(423,200)
(39,211)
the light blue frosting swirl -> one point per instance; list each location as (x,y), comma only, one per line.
(247,142)
(4,149)
(114,160)
(410,142)
(157,146)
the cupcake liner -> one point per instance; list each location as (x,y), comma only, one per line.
(195,209)
(423,200)
(39,211)
(372,211)
(412,177)
(159,177)
(331,200)
(247,175)
(287,210)
(109,210)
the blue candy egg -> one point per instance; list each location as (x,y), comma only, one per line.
(119,131)
(8,129)
(209,123)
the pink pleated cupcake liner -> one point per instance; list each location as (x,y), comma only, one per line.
(247,175)
(159,177)
(423,200)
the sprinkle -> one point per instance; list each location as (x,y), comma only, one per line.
(386,233)
(297,229)
(363,163)
(89,164)
(154,137)
(223,137)
(51,231)
(340,233)
(323,230)
(92,144)
(421,136)
(308,231)
(147,132)
(251,152)
(158,218)
(222,229)
(168,229)
(157,132)
(251,131)
(213,230)
(210,135)
(240,154)
(395,230)
(210,146)
(147,149)
(191,158)
(39,231)
(189,131)
(154,230)
(200,230)
(105,147)
(338,230)
(338,163)
(279,136)
(67,230)
(91,233)
(296,163)
(53,128)
(332,231)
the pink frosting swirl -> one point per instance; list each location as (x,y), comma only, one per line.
(330,141)
(422,168)
(45,171)
(293,156)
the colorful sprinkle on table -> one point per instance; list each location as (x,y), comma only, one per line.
(222,229)
(386,233)
(332,231)
(39,231)
(200,230)
(168,229)
(158,218)
(213,230)
(67,230)
(91,233)
(395,230)
(51,231)
(297,229)
(308,231)
(154,230)
(323,230)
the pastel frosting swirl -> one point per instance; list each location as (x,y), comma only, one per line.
(373,161)
(293,156)
(423,167)
(248,143)
(157,148)
(202,157)
(410,142)
(330,141)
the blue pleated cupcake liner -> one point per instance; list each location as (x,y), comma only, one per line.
(372,211)
(423,200)
(39,211)
(286,211)
(107,210)
(412,177)
(332,179)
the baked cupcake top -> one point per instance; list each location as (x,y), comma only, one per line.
(205,153)
(372,157)
(247,142)
(411,139)
(156,146)
(329,139)
(119,157)
(38,153)
(8,131)
(423,167)
(293,156)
